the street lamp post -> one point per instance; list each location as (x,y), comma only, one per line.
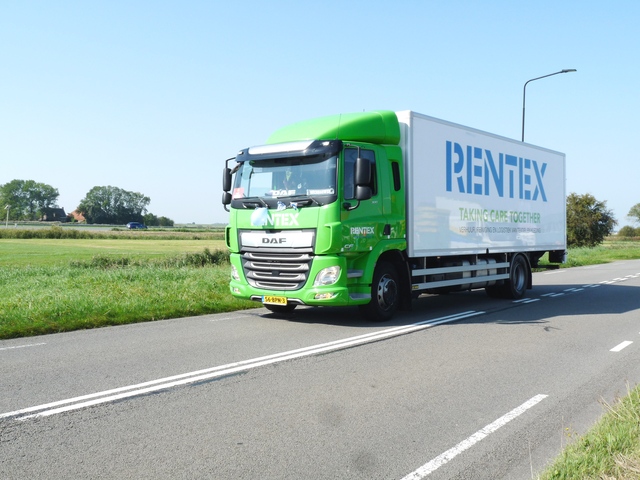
(524,90)
(7,209)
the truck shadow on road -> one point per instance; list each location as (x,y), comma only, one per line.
(540,305)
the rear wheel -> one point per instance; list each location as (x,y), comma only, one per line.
(384,294)
(518,274)
(516,285)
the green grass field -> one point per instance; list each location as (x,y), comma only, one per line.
(57,285)
(48,252)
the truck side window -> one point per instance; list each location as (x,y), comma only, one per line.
(395,169)
(350,155)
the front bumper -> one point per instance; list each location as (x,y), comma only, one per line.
(337,294)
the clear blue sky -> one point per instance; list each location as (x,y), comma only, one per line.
(153,96)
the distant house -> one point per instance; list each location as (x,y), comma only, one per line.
(54,215)
(78,216)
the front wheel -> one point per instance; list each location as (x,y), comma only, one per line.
(385,294)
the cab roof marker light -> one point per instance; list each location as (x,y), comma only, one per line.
(280,147)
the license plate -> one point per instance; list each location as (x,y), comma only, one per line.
(270,300)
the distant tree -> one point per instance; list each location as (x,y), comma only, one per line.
(635,213)
(152,220)
(629,231)
(113,205)
(165,222)
(588,220)
(27,199)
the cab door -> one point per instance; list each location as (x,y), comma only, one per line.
(363,222)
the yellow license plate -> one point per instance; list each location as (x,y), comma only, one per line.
(270,300)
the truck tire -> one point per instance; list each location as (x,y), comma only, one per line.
(385,295)
(516,286)
(518,274)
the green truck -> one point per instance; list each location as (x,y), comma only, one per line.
(375,208)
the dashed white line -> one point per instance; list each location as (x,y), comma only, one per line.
(22,346)
(621,346)
(450,454)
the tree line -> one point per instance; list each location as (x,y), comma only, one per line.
(589,220)
(30,200)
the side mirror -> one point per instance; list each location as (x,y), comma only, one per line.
(363,171)
(226,198)
(363,192)
(226,180)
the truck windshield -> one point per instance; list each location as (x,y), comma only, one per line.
(285,178)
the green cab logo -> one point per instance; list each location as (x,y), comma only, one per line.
(359,231)
(261,217)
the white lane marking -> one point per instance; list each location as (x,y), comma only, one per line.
(223,370)
(555,272)
(22,346)
(524,301)
(450,454)
(623,345)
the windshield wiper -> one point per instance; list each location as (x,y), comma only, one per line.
(305,198)
(250,202)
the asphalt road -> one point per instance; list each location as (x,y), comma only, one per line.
(462,387)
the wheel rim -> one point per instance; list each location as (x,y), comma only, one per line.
(387,292)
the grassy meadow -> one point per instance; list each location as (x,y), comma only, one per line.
(37,252)
(50,285)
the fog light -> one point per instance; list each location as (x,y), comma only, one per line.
(327,276)
(325,296)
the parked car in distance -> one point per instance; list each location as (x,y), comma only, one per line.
(132,225)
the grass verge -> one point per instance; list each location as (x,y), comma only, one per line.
(112,290)
(610,450)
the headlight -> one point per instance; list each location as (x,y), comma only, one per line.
(327,276)
(234,273)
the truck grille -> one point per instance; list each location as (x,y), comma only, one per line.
(276,271)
